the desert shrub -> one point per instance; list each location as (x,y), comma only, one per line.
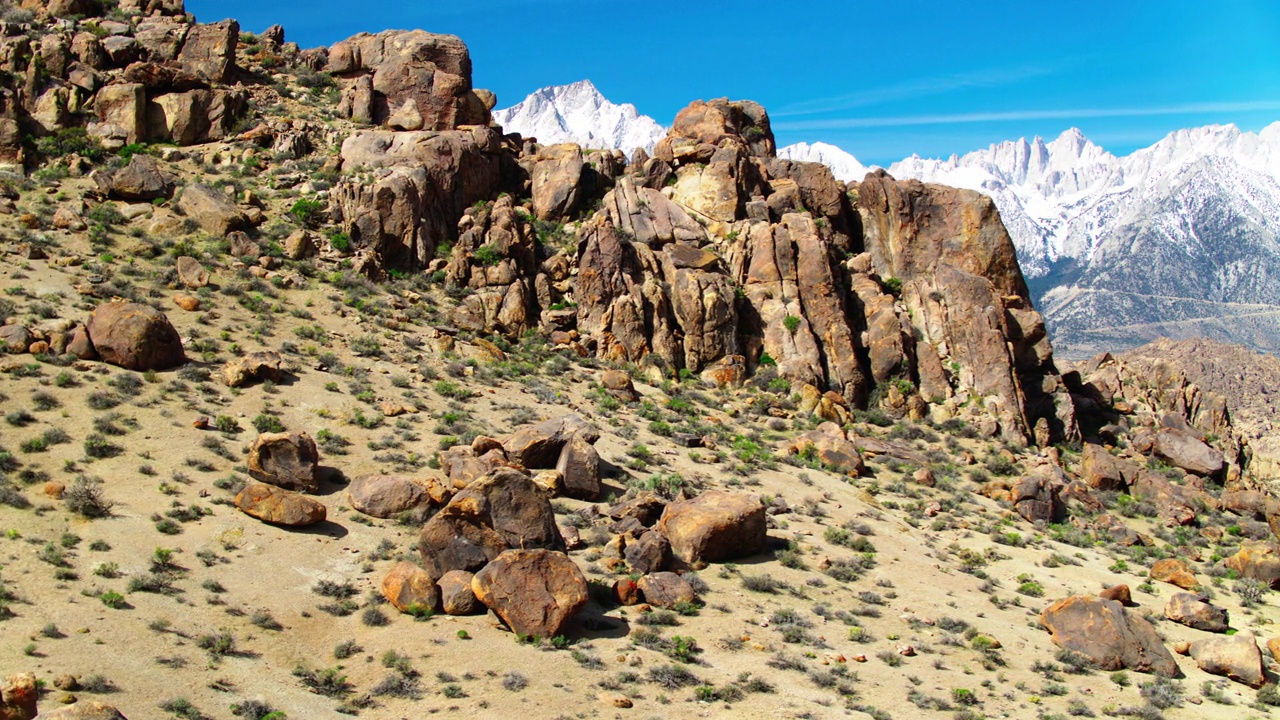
(84,497)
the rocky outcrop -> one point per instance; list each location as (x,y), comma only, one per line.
(277,506)
(714,526)
(666,590)
(495,260)
(135,336)
(286,460)
(540,445)
(501,511)
(535,592)
(421,184)
(1111,637)
(408,73)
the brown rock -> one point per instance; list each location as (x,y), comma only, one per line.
(387,496)
(15,338)
(55,489)
(1236,656)
(278,506)
(500,511)
(1257,560)
(1119,593)
(18,697)
(84,710)
(829,445)
(1196,612)
(557,181)
(410,589)
(456,595)
(210,50)
(286,460)
(539,446)
(1111,637)
(1036,498)
(579,468)
(191,273)
(211,210)
(256,366)
(143,179)
(627,591)
(645,506)
(714,526)
(299,245)
(535,592)
(649,553)
(190,303)
(1273,647)
(1184,450)
(619,385)
(666,589)
(1175,572)
(133,336)
(67,682)
(1100,470)
(122,116)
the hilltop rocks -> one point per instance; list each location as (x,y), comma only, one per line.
(493,514)
(134,336)
(279,507)
(209,51)
(709,123)
(1237,657)
(287,460)
(715,526)
(1196,612)
(429,73)
(535,592)
(409,588)
(1111,637)
(211,210)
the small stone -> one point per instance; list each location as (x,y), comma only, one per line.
(54,489)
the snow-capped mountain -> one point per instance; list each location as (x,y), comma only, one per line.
(578,113)
(844,166)
(1178,239)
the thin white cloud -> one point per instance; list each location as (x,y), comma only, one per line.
(1023,115)
(922,87)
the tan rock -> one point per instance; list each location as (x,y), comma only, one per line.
(387,496)
(278,506)
(211,209)
(456,595)
(715,526)
(1236,656)
(191,273)
(287,460)
(666,590)
(18,696)
(1111,637)
(133,336)
(1196,612)
(1174,571)
(258,366)
(535,592)
(190,303)
(410,589)
(84,710)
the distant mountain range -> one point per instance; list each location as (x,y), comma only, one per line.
(1181,239)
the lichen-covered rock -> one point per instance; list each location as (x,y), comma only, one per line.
(535,592)
(287,460)
(1175,572)
(278,506)
(714,526)
(1111,637)
(134,336)
(1256,560)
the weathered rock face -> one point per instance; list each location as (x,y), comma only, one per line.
(968,300)
(1237,657)
(1184,450)
(286,460)
(278,506)
(1100,470)
(540,445)
(212,210)
(1109,635)
(535,592)
(142,179)
(456,595)
(557,181)
(666,590)
(1257,561)
(422,184)
(410,589)
(711,123)
(195,116)
(431,74)
(209,51)
(387,496)
(258,366)
(135,336)
(1196,612)
(501,511)
(496,258)
(579,468)
(715,526)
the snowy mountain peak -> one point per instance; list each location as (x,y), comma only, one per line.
(580,113)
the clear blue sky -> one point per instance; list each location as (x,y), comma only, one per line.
(882,79)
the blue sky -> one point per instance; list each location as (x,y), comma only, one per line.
(881,79)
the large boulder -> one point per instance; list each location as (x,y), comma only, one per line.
(540,445)
(1235,656)
(829,445)
(287,460)
(1174,571)
(498,512)
(135,336)
(18,696)
(557,181)
(666,589)
(143,179)
(535,592)
(648,553)
(579,468)
(1257,560)
(387,496)
(1099,469)
(84,710)
(212,210)
(456,594)
(1184,450)
(257,366)
(196,116)
(210,50)
(410,588)
(1036,498)
(277,506)
(1111,637)
(1195,611)
(715,526)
